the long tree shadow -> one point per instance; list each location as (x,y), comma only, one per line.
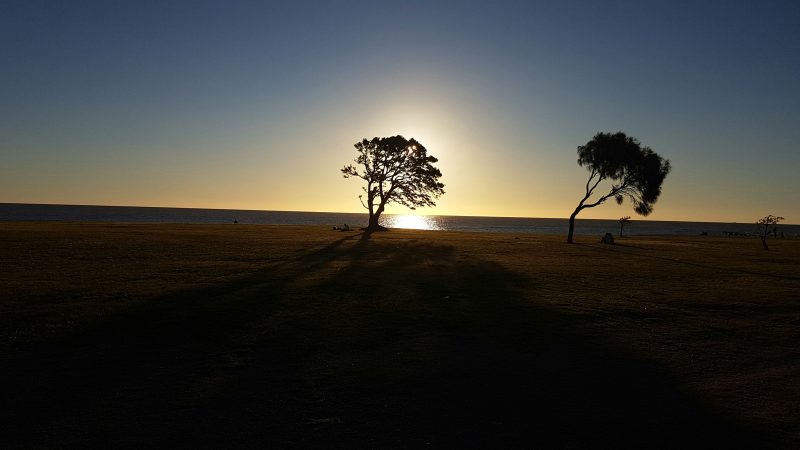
(365,343)
(430,348)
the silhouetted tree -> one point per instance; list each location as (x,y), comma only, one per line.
(766,222)
(395,170)
(635,172)
(623,221)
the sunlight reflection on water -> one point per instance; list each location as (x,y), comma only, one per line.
(411,222)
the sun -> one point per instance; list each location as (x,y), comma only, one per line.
(411,222)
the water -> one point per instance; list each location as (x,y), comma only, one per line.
(77,213)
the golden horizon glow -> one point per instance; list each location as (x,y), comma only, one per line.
(264,118)
(536,178)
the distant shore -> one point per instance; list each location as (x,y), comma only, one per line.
(134,334)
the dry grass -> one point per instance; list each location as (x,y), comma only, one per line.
(128,335)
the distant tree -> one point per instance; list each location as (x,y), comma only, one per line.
(766,222)
(623,222)
(396,170)
(635,173)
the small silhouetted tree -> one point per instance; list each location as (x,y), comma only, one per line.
(635,173)
(396,170)
(766,222)
(623,222)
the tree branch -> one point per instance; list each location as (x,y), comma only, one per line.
(590,190)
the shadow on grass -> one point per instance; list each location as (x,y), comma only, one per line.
(361,343)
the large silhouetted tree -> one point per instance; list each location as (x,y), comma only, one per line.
(635,172)
(396,170)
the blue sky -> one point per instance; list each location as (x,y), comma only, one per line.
(257,104)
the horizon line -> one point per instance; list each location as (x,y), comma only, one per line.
(351,212)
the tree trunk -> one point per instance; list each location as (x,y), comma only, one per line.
(572,224)
(371,209)
(373,220)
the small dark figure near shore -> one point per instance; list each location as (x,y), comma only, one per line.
(235,221)
(704,233)
(607,239)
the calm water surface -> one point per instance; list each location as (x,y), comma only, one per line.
(77,213)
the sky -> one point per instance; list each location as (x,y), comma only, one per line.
(257,104)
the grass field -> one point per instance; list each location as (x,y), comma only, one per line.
(121,335)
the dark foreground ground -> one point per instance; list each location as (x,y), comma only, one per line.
(260,336)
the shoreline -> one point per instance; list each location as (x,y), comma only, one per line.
(335,213)
(615,233)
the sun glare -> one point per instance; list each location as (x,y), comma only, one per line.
(412,222)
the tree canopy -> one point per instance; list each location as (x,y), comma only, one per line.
(396,170)
(636,173)
(766,222)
